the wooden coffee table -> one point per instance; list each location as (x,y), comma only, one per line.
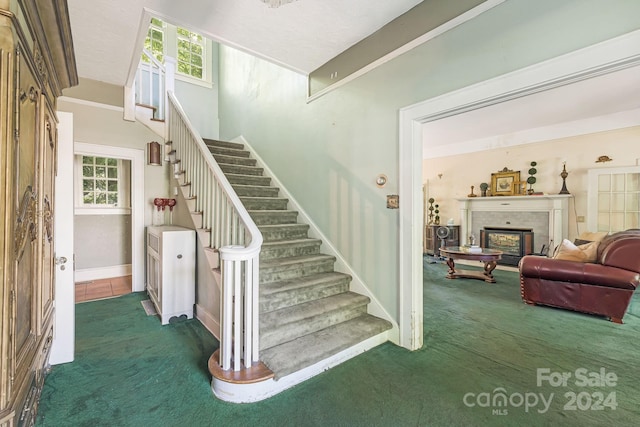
(488,256)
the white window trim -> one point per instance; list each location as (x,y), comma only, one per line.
(592,193)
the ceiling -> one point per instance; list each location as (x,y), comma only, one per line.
(614,99)
(302,35)
(305,34)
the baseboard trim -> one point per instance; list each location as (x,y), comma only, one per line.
(86,274)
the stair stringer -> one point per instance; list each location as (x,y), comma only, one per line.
(341,265)
(210,320)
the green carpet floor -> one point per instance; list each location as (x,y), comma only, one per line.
(480,341)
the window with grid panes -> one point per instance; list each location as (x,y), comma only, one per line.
(614,199)
(100,181)
(191,50)
(154,42)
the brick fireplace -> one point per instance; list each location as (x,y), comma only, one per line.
(547,216)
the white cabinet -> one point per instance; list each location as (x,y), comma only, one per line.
(171,255)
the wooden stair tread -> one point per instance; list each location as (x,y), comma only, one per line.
(146,106)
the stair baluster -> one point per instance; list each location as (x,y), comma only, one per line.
(232,232)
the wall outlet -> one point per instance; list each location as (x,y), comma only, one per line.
(580,218)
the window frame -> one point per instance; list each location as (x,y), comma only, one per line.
(170,46)
(594,193)
(189,39)
(162,29)
(123,192)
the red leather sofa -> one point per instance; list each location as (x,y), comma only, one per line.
(604,288)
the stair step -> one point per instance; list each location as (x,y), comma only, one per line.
(307,312)
(204,235)
(241,170)
(196,218)
(275,270)
(278,295)
(232,160)
(248,179)
(213,257)
(225,144)
(264,203)
(190,201)
(231,152)
(255,190)
(276,232)
(289,323)
(265,217)
(289,248)
(305,351)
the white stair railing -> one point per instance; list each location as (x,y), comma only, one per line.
(153,81)
(232,232)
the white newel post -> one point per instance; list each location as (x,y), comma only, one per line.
(170,86)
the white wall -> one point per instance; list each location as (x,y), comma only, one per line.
(328,152)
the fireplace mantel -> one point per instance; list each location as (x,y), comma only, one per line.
(556,220)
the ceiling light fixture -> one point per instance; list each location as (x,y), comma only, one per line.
(277,3)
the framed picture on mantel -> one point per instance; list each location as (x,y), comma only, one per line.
(502,183)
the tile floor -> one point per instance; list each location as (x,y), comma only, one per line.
(102,288)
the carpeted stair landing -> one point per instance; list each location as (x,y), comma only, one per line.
(307,312)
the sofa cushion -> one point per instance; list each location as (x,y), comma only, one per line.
(583,253)
(577,272)
(592,236)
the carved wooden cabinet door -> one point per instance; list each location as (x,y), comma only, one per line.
(35,65)
(26,278)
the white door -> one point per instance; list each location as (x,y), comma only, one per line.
(62,350)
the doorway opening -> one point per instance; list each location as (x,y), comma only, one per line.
(102,224)
(131,163)
(604,58)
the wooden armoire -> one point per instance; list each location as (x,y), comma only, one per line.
(36,63)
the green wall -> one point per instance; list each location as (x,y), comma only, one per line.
(328,152)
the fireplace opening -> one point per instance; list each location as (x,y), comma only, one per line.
(513,242)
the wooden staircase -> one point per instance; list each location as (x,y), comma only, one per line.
(307,312)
